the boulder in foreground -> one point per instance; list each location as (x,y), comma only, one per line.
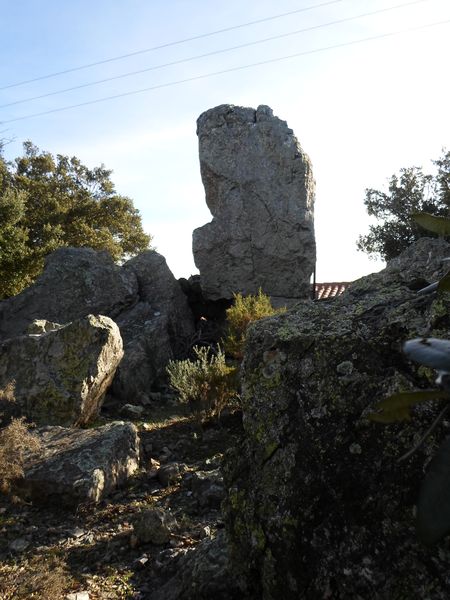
(75,466)
(317,504)
(60,377)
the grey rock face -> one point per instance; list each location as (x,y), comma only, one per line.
(142,296)
(75,282)
(153,526)
(207,487)
(155,330)
(317,505)
(75,466)
(61,376)
(39,326)
(202,573)
(260,190)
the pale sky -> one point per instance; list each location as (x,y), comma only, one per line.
(361,111)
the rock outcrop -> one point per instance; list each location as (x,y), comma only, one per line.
(142,296)
(202,573)
(75,466)
(260,190)
(60,377)
(75,282)
(155,330)
(317,504)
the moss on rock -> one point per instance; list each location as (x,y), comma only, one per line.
(313,478)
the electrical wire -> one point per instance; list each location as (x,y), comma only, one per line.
(213,53)
(231,70)
(174,43)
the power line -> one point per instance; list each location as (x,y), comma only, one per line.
(213,53)
(169,44)
(231,70)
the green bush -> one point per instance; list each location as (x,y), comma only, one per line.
(244,311)
(49,202)
(207,384)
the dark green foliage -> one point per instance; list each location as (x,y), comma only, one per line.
(444,284)
(47,202)
(409,193)
(398,406)
(438,225)
(433,508)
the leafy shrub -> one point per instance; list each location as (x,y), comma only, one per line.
(433,506)
(411,191)
(49,202)
(207,384)
(15,440)
(244,311)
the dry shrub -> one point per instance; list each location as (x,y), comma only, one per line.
(7,393)
(41,578)
(244,311)
(15,441)
(206,384)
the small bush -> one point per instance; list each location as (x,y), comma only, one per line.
(206,384)
(15,441)
(244,311)
(7,393)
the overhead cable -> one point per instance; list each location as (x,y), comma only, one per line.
(169,44)
(230,70)
(213,53)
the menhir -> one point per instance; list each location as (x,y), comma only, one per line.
(260,190)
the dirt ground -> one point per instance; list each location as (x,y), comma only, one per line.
(49,553)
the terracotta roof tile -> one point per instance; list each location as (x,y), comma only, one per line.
(324,291)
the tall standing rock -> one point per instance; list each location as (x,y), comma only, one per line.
(260,190)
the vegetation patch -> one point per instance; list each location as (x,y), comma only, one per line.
(206,384)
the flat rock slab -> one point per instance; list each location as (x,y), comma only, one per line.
(76,465)
(60,377)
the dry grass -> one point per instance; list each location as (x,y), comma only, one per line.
(15,440)
(41,578)
(7,393)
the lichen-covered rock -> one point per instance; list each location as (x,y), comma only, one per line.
(60,377)
(317,505)
(39,326)
(207,487)
(75,282)
(142,297)
(156,330)
(204,572)
(260,190)
(153,526)
(75,466)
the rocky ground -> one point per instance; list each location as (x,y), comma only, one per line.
(138,540)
